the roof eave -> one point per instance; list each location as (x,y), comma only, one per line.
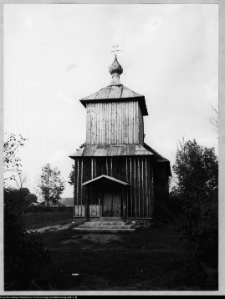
(140,99)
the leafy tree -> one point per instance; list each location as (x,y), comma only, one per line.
(11,162)
(25,256)
(24,197)
(196,170)
(71,175)
(20,194)
(51,185)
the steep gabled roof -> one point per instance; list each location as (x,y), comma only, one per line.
(105,178)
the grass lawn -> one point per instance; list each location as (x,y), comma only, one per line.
(147,259)
(41,219)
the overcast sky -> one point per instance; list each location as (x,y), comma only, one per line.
(56,54)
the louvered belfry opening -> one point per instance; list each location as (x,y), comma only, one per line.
(115,171)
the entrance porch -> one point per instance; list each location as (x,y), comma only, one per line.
(106,199)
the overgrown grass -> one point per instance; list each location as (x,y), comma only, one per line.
(148,259)
(41,219)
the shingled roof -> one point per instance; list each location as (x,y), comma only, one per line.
(116,93)
(113,92)
(103,150)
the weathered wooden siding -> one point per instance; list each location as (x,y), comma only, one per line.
(114,123)
(137,171)
(141,126)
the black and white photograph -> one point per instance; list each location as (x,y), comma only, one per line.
(111,148)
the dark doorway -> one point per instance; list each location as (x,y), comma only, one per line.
(112,201)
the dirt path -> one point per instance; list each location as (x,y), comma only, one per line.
(51,228)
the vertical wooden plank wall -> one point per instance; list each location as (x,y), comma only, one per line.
(130,169)
(137,171)
(78,182)
(141,126)
(140,200)
(161,185)
(114,123)
(74,188)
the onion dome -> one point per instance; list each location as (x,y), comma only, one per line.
(115,67)
(115,70)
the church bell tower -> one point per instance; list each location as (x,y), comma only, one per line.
(116,174)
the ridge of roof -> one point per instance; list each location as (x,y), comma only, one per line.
(107,177)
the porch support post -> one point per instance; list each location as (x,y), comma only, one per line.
(99,205)
(74,189)
(124,204)
(87,203)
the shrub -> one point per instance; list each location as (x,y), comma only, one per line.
(196,170)
(24,254)
(199,225)
(176,205)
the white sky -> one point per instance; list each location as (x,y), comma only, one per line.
(56,54)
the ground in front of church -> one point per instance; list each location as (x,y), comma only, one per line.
(148,259)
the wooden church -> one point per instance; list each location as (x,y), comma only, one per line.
(117,175)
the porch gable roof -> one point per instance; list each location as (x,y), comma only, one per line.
(104,176)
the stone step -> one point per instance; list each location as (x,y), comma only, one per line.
(110,219)
(105,226)
(105,223)
(103,230)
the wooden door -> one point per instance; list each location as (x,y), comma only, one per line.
(112,202)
